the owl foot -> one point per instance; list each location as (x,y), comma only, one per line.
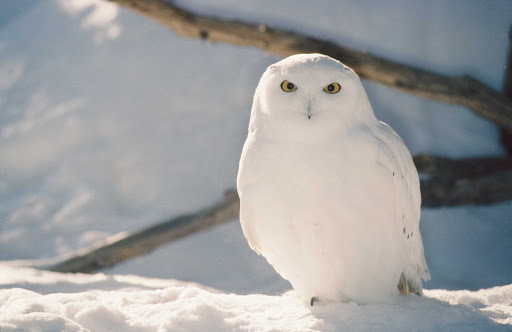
(314,299)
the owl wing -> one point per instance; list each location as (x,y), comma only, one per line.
(394,155)
(246,176)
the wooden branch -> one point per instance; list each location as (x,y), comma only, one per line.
(486,189)
(147,240)
(460,168)
(477,181)
(456,182)
(464,90)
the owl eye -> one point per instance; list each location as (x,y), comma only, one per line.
(332,88)
(288,86)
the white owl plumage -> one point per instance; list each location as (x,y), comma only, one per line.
(329,195)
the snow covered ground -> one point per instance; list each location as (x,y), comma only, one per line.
(109,122)
(37,300)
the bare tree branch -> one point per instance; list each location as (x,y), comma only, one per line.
(147,240)
(477,181)
(486,189)
(463,90)
(455,182)
(460,168)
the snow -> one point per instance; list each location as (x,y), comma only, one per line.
(109,123)
(102,17)
(47,301)
(468,247)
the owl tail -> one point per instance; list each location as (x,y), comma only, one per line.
(405,286)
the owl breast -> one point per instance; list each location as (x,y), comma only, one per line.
(323,214)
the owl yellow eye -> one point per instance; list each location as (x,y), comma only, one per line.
(288,86)
(332,88)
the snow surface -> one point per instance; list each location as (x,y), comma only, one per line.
(109,123)
(46,301)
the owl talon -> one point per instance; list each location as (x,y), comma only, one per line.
(314,299)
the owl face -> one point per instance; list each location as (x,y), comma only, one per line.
(309,94)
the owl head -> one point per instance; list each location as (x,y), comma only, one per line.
(309,96)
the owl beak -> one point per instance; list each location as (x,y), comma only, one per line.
(309,107)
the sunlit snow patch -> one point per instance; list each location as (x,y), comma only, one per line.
(102,17)
(33,299)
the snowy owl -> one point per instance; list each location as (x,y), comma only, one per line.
(329,195)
